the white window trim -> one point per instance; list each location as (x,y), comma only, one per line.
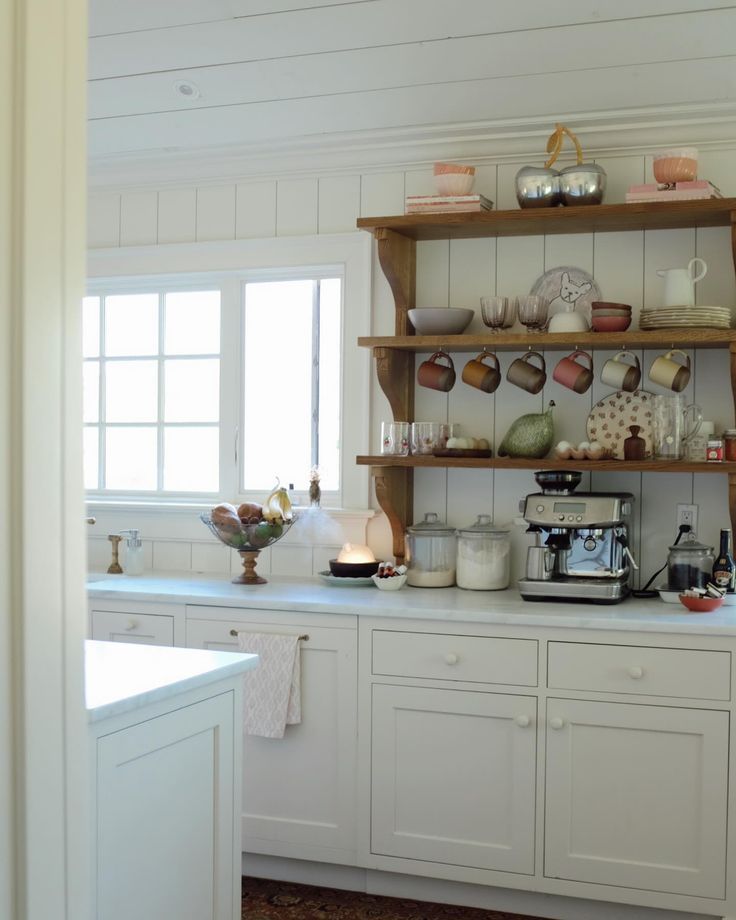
(174,263)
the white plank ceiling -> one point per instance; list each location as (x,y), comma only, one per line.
(266,74)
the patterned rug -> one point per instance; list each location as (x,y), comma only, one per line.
(264,899)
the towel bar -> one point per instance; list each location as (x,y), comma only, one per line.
(236,632)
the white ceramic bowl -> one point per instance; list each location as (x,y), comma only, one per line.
(440,320)
(389,584)
(568,322)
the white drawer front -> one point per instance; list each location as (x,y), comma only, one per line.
(146,628)
(670,672)
(476,659)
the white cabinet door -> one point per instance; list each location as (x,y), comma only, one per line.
(299,790)
(637,796)
(164,817)
(453,776)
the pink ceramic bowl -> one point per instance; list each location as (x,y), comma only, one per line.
(610,323)
(610,305)
(701,604)
(677,165)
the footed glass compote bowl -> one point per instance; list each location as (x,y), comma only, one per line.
(249,540)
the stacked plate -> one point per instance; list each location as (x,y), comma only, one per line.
(692,317)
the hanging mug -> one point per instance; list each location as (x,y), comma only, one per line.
(621,375)
(572,374)
(480,375)
(437,376)
(670,373)
(522,373)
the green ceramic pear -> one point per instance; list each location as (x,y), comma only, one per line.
(530,435)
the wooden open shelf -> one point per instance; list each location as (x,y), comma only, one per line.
(675,338)
(510,463)
(396,239)
(666,215)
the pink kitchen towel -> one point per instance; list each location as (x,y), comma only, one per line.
(272,698)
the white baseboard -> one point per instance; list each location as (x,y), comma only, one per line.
(394,885)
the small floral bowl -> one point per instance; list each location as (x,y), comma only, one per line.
(392,583)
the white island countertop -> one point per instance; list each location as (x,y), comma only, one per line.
(451,605)
(120,677)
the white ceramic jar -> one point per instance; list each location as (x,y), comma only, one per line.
(483,556)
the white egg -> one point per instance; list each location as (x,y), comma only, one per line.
(453,443)
(564,445)
(595,445)
(484,444)
(584,445)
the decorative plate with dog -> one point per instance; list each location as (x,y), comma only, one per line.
(567,288)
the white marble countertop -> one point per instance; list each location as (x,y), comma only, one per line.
(453,605)
(120,677)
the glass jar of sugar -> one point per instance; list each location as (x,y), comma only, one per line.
(431,548)
(483,556)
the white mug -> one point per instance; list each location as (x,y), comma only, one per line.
(621,375)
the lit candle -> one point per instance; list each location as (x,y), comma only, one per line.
(356,553)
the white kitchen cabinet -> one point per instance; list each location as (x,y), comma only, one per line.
(453,777)
(636,796)
(298,791)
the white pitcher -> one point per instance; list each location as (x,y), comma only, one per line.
(679,284)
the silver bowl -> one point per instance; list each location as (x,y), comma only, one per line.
(537,187)
(584,183)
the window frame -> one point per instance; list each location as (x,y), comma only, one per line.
(228,265)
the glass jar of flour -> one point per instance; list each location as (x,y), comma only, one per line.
(483,556)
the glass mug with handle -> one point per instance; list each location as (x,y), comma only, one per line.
(673,424)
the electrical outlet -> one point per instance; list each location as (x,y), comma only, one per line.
(688,514)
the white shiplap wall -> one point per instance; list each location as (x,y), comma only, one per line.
(458,274)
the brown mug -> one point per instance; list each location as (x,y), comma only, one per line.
(480,375)
(437,376)
(526,375)
(572,374)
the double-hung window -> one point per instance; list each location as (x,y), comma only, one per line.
(212,385)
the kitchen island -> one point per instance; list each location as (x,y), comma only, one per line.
(165,748)
(554,759)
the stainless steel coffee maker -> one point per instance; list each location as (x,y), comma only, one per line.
(582,542)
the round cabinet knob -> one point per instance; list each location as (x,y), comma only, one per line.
(451,658)
(636,672)
(557,723)
(523,721)
(132,624)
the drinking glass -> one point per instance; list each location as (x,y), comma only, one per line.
(673,423)
(498,312)
(395,438)
(424,437)
(533,311)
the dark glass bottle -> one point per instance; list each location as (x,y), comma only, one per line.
(723,567)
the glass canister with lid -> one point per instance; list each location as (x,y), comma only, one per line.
(431,548)
(689,565)
(483,556)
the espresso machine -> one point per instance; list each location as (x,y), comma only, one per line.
(581,550)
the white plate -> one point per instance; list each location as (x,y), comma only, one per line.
(567,288)
(610,419)
(343,582)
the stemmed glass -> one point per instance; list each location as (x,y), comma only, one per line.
(533,311)
(498,312)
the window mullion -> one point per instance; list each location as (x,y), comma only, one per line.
(230,387)
(101,417)
(315,372)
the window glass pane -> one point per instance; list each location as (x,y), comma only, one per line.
(191,460)
(131,391)
(192,390)
(91,327)
(90,444)
(278,383)
(130,459)
(91,391)
(330,337)
(131,324)
(192,323)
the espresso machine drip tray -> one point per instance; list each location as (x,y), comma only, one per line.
(576,590)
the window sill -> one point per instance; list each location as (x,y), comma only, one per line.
(98,506)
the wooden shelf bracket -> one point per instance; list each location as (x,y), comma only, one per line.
(395,493)
(397,255)
(395,372)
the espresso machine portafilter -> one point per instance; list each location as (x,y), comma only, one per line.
(581,550)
